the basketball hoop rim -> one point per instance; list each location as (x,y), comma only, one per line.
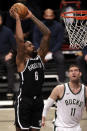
(72,2)
(64,14)
(77,3)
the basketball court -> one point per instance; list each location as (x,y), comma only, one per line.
(7,120)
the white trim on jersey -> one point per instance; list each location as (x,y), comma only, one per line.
(18,113)
(22,77)
(36,58)
(41,60)
(25,66)
(34,127)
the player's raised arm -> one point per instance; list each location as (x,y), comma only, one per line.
(44,44)
(19,35)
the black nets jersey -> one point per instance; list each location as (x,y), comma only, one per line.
(32,77)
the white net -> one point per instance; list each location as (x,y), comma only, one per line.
(77,31)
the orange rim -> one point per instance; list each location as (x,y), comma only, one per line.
(77,3)
(82,12)
(71,2)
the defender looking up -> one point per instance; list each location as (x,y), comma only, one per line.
(71,99)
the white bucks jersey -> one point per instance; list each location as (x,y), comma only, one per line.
(70,107)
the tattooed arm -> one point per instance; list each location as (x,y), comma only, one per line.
(44,44)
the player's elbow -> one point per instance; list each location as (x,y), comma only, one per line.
(19,40)
(48,34)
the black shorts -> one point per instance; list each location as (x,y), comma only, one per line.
(28,112)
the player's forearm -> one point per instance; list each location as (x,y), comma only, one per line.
(19,32)
(43,121)
(40,25)
(48,104)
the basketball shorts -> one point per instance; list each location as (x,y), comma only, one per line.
(76,128)
(28,112)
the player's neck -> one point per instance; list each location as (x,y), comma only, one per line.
(27,57)
(75,85)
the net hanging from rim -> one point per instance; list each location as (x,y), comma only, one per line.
(76,26)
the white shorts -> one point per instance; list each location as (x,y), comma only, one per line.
(76,128)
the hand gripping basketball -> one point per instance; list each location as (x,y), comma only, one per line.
(19,8)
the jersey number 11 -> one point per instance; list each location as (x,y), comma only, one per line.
(73,110)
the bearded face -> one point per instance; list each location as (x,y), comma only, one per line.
(30,49)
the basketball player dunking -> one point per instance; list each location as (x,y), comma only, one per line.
(71,98)
(29,62)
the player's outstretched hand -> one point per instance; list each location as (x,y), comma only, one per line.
(13,13)
(29,15)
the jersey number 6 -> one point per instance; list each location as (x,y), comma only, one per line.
(36,75)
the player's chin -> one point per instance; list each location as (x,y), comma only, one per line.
(33,54)
(74,79)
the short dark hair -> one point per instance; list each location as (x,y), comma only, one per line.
(74,65)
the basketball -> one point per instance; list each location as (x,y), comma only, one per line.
(21,9)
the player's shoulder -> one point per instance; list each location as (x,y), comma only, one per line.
(59,88)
